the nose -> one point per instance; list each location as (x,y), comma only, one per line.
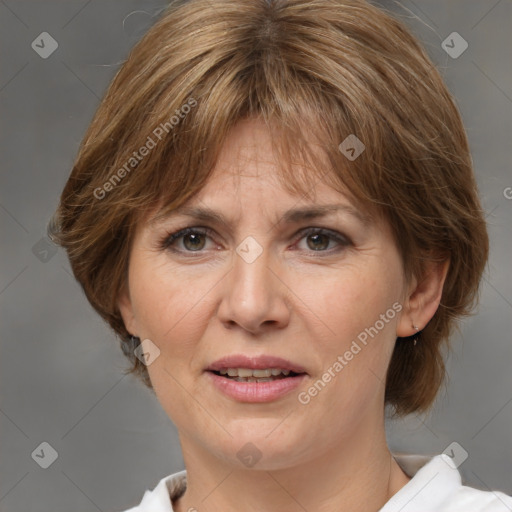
(255,297)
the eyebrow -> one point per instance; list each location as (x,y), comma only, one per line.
(319,211)
(292,216)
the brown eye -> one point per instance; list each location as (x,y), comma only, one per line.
(323,240)
(318,242)
(186,240)
(193,241)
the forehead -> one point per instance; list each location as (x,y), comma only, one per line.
(262,185)
(250,158)
(264,169)
(248,177)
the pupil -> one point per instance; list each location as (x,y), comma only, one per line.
(317,237)
(195,238)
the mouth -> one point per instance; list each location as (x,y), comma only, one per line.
(252,375)
(255,379)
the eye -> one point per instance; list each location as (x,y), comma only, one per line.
(320,240)
(193,240)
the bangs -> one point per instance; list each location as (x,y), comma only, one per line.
(300,165)
(305,152)
(184,103)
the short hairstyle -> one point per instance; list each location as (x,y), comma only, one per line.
(317,72)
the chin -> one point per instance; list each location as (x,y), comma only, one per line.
(263,448)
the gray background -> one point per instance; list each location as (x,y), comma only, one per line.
(61,367)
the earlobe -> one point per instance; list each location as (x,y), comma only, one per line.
(423,299)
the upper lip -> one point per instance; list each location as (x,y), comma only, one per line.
(254,363)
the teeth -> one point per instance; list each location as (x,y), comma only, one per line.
(260,373)
(248,373)
(253,379)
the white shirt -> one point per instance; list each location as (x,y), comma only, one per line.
(436,486)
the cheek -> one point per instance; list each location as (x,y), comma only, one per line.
(358,308)
(353,301)
(170,306)
(357,345)
(171,309)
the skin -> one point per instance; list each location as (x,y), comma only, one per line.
(305,299)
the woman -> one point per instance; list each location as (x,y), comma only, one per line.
(275,209)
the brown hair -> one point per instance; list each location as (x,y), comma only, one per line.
(337,67)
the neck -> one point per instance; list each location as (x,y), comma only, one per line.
(360,475)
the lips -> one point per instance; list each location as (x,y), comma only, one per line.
(255,363)
(255,379)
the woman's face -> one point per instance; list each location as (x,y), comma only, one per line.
(256,282)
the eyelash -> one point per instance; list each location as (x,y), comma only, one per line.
(168,240)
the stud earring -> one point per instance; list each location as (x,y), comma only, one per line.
(415,339)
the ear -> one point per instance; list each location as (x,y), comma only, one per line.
(125,306)
(423,298)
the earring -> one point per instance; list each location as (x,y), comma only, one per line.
(415,339)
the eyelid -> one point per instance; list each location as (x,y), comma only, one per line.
(169,238)
(342,240)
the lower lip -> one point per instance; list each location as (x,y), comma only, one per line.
(256,391)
